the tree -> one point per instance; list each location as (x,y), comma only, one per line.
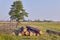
(17,12)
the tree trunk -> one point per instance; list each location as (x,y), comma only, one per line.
(17,24)
(11,24)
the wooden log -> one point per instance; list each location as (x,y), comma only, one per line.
(20,34)
(31,33)
(52,32)
(32,28)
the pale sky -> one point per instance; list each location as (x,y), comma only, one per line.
(37,9)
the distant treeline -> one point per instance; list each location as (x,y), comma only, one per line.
(31,21)
(38,21)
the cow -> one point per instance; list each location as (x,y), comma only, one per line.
(52,32)
(34,30)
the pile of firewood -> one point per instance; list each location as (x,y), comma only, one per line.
(28,31)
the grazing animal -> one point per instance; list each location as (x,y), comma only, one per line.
(52,32)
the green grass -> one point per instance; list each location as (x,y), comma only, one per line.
(40,25)
(42,37)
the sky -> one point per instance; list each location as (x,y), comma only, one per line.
(37,9)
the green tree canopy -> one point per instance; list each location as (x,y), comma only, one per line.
(17,11)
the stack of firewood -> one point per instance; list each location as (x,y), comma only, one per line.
(28,31)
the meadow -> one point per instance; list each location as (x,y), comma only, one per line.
(7,27)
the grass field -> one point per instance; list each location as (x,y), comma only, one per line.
(6,27)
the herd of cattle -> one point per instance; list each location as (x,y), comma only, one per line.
(31,31)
